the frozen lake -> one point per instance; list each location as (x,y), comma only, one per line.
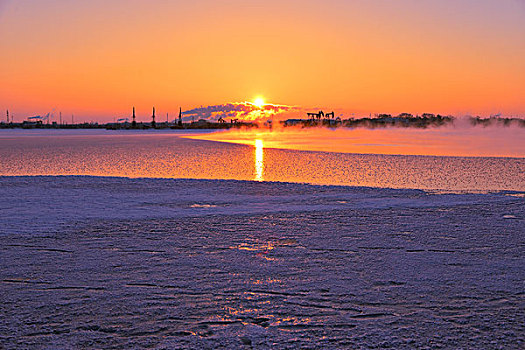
(177,261)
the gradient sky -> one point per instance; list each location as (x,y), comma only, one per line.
(97,58)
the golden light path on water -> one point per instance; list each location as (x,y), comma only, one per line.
(259,160)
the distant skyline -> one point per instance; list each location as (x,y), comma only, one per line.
(96,59)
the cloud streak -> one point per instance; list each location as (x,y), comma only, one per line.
(244,111)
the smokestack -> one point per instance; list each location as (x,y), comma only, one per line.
(133,123)
(153,118)
(7,111)
(180,116)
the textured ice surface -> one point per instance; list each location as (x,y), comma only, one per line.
(115,262)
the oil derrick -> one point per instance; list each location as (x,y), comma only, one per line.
(312,115)
(317,116)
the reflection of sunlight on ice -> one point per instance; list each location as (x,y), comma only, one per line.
(196,205)
(266,281)
(255,246)
(259,160)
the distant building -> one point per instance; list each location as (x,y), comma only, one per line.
(201,122)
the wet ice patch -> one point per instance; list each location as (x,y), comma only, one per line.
(519,195)
(204,206)
(509,216)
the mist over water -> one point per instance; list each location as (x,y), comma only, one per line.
(460,139)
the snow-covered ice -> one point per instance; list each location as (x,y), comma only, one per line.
(98,262)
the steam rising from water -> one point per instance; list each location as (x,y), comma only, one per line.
(457,140)
(251,112)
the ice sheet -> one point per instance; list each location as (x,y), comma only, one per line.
(91,262)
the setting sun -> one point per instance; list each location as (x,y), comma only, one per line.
(259,102)
(262,174)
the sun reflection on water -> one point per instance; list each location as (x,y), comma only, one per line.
(259,160)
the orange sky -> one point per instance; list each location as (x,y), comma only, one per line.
(96,58)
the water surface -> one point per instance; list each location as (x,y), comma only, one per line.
(171,154)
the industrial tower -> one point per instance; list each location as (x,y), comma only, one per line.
(153,119)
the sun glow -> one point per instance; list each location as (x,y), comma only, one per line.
(259,102)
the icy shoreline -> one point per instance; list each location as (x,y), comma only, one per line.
(98,262)
(33,202)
